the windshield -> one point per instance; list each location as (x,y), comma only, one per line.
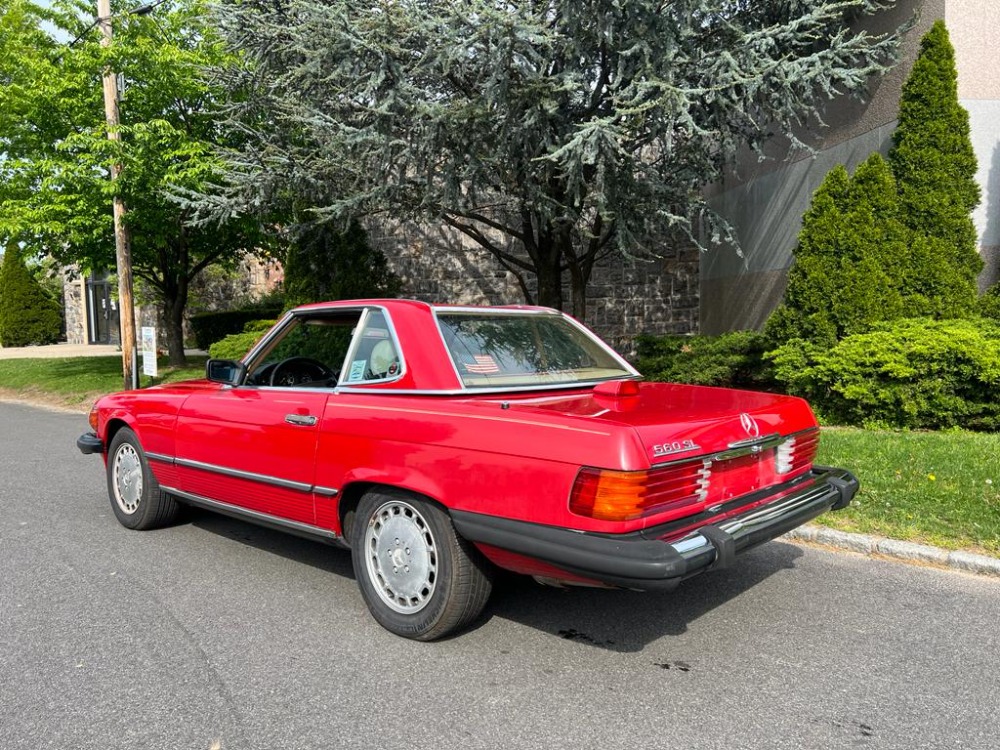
(492,349)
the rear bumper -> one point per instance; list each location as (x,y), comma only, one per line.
(641,560)
(89,443)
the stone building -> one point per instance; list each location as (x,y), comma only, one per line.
(91,309)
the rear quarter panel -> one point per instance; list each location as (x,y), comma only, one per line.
(477,457)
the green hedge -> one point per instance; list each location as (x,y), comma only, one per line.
(235,345)
(211,327)
(912,373)
(733,359)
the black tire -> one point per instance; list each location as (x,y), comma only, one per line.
(418,578)
(135,495)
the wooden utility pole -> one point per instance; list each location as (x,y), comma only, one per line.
(123,245)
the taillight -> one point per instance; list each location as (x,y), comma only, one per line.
(93,416)
(625,495)
(797,453)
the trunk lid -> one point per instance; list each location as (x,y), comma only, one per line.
(676,422)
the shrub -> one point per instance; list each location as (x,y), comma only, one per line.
(989,303)
(896,239)
(28,315)
(849,259)
(732,359)
(912,373)
(211,327)
(235,345)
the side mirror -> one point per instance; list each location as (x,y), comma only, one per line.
(225,371)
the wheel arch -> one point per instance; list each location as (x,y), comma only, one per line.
(351,494)
(112,428)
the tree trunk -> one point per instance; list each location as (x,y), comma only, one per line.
(578,277)
(173,313)
(548,267)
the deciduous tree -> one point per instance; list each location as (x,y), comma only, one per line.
(55,157)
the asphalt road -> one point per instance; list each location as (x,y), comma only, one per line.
(217,631)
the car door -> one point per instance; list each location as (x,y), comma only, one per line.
(253,445)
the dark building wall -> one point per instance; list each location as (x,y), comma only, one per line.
(625,297)
(765,199)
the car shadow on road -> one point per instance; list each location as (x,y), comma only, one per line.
(627,621)
(615,620)
(312,552)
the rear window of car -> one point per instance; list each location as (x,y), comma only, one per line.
(499,349)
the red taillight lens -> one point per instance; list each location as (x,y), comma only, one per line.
(625,495)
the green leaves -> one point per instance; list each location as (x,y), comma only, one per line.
(896,239)
(56,158)
(932,156)
(550,133)
(916,373)
(28,315)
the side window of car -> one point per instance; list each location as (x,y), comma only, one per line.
(309,352)
(374,355)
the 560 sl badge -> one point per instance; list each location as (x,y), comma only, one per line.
(665,449)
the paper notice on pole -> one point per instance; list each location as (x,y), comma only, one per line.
(149,351)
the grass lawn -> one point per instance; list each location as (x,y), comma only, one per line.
(940,488)
(77,382)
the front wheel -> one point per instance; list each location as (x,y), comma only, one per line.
(418,578)
(135,495)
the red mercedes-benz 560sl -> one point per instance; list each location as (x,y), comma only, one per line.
(439,443)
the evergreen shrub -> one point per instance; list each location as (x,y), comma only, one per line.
(210,327)
(326,264)
(28,315)
(896,239)
(235,345)
(989,303)
(911,373)
(733,359)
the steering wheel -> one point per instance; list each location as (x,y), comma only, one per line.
(298,370)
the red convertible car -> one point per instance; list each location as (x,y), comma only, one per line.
(439,443)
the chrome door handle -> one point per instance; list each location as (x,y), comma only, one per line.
(303,420)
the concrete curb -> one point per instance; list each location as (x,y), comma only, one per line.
(864,544)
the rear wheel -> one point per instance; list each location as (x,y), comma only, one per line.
(418,578)
(135,496)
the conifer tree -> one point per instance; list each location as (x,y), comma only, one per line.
(851,253)
(932,157)
(551,134)
(28,315)
(896,240)
(325,264)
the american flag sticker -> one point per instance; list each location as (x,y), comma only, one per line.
(484,365)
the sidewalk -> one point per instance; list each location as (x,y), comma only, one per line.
(59,350)
(53,351)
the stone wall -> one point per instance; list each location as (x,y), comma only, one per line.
(625,297)
(75,308)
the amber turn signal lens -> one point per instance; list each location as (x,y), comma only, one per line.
(625,495)
(93,417)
